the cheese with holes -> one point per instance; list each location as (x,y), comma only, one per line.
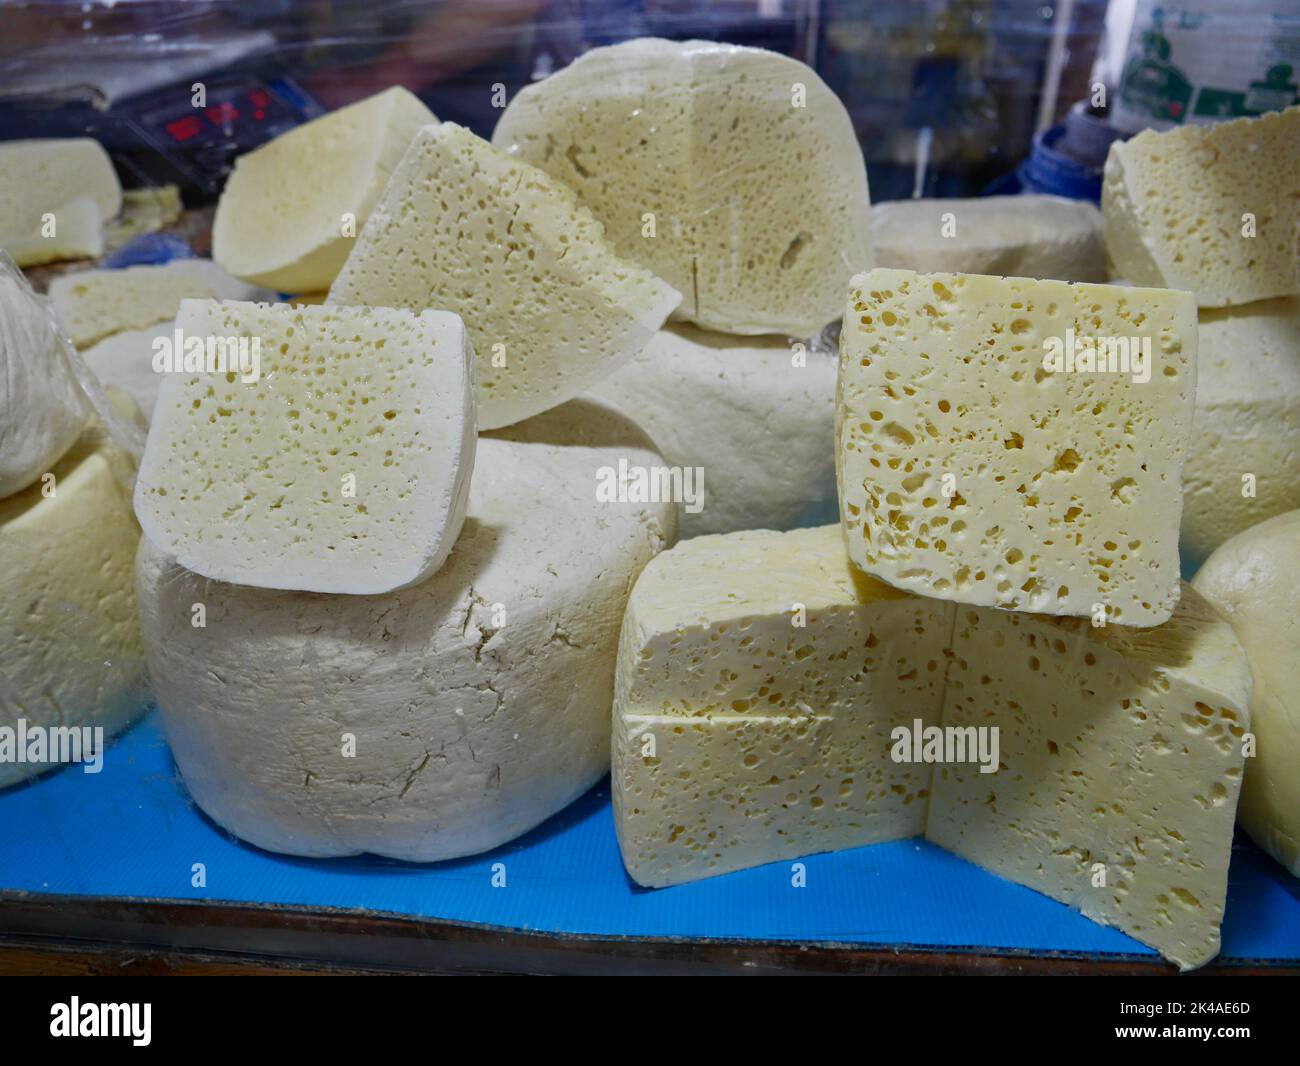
(733,173)
(42,177)
(42,408)
(1252,580)
(984,459)
(751,419)
(341,463)
(1244,451)
(1212,209)
(70,653)
(550,308)
(1011,236)
(1121,763)
(125,360)
(95,304)
(291,209)
(478,701)
(759,680)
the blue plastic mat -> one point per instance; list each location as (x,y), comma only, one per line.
(131,831)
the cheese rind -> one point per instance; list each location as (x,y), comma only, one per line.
(1211,209)
(70,652)
(754,422)
(1010,236)
(347,461)
(38,177)
(1120,747)
(550,308)
(478,700)
(1244,449)
(665,140)
(759,680)
(1251,580)
(291,209)
(970,472)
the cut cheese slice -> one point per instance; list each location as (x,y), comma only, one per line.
(1213,209)
(1011,236)
(1244,450)
(125,360)
(430,723)
(70,654)
(750,419)
(733,173)
(95,304)
(1252,580)
(291,210)
(464,228)
(1121,753)
(340,463)
(982,460)
(759,680)
(40,177)
(71,231)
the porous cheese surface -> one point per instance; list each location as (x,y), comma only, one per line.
(731,172)
(291,209)
(95,304)
(38,177)
(1120,747)
(550,308)
(758,681)
(42,408)
(1011,236)
(1211,209)
(479,700)
(125,360)
(753,416)
(70,652)
(1244,449)
(344,467)
(1251,580)
(971,472)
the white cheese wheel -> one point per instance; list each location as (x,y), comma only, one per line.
(733,173)
(1254,581)
(1010,236)
(38,177)
(1244,451)
(743,417)
(479,700)
(291,209)
(70,651)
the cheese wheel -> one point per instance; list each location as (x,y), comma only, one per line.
(1254,581)
(70,651)
(478,701)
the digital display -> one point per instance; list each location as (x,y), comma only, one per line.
(253,106)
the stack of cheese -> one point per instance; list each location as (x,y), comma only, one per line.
(70,655)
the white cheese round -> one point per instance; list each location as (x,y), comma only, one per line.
(478,702)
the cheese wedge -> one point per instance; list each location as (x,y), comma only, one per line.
(1251,579)
(40,177)
(71,231)
(331,452)
(1212,209)
(433,722)
(291,209)
(733,173)
(984,459)
(550,308)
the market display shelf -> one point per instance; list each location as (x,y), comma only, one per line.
(114,855)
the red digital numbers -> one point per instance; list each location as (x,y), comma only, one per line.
(182,129)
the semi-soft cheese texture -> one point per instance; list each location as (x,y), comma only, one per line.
(42,408)
(95,304)
(478,701)
(981,460)
(40,177)
(75,231)
(125,360)
(733,173)
(1254,581)
(1012,236)
(1121,753)
(1211,209)
(343,467)
(758,681)
(464,228)
(70,652)
(291,209)
(1243,455)
(752,419)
